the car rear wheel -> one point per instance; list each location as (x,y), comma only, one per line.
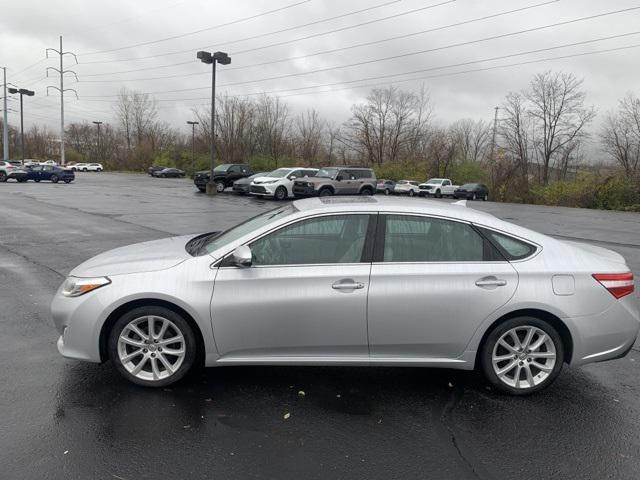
(152,346)
(486,197)
(84,169)
(411,193)
(220,187)
(325,192)
(387,191)
(368,191)
(98,169)
(281,193)
(67,180)
(54,178)
(3,177)
(522,355)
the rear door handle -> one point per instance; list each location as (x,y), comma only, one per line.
(347,286)
(491,282)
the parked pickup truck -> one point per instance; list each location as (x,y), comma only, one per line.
(438,187)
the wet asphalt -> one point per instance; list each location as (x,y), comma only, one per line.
(62,419)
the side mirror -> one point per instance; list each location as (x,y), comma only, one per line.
(339,178)
(242,256)
(292,177)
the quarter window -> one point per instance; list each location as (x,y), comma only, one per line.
(321,240)
(511,248)
(423,239)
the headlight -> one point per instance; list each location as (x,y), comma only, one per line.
(75,286)
(270,181)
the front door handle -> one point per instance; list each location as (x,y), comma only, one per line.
(351,285)
(491,282)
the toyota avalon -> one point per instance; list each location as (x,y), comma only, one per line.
(353,281)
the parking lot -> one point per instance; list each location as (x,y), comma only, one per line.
(65,419)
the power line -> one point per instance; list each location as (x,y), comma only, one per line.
(539,50)
(442,27)
(392,57)
(190,50)
(194,32)
(388,39)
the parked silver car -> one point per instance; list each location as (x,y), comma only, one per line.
(353,281)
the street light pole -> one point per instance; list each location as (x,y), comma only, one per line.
(22,92)
(5,125)
(223,59)
(193,145)
(98,143)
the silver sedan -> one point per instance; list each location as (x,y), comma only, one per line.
(353,281)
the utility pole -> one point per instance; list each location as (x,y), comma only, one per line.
(493,145)
(5,124)
(22,92)
(98,143)
(193,145)
(61,89)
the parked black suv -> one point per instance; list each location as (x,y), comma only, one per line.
(223,175)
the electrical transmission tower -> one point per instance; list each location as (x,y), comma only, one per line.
(61,71)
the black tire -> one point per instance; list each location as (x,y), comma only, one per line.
(67,180)
(202,189)
(3,177)
(485,197)
(387,191)
(37,180)
(281,193)
(438,194)
(55,179)
(474,197)
(366,191)
(98,169)
(486,352)
(177,320)
(411,193)
(325,192)
(220,186)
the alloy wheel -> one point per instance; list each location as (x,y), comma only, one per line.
(151,348)
(219,187)
(524,357)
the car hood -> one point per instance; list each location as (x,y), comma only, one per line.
(259,180)
(140,257)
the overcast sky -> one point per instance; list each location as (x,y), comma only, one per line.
(117,28)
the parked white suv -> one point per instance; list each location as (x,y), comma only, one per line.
(407,187)
(438,187)
(279,183)
(93,167)
(6,168)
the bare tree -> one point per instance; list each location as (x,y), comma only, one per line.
(309,131)
(620,135)
(515,132)
(272,126)
(471,138)
(557,104)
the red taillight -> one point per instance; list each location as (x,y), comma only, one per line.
(618,284)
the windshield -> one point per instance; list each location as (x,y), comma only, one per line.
(279,173)
(468,185)
(222,168)
(210,242)
(327,172)
(434,180)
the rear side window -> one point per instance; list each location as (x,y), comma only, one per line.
(410,238)
(511,248)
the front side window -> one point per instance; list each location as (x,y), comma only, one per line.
(410,238)
(322,240)
(279,173)
(327,172)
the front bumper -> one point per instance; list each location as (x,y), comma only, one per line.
(264,189)
(304,191)
(241,188)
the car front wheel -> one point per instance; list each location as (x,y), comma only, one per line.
(220,187)
(3,177)
(152,346)
(522,355)
(281,193)
(411,193)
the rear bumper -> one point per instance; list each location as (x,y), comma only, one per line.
(607,335)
